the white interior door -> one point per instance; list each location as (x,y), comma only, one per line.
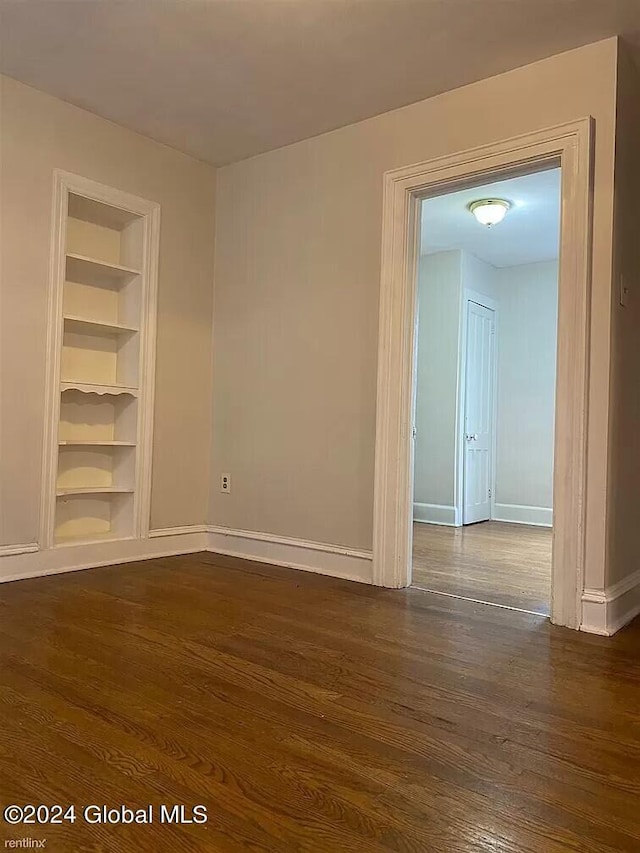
(478,413)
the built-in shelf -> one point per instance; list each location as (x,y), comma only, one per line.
(93,490)
(95,388)
(105,258)
(90,443)
(62,540)
(80,325)
(97,418)
(99,273)
(100,213)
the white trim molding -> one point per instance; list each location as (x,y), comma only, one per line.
(318,557)
(538,516)
(606,611)
(73,558)
(435,514)
(14,550)
(178,531)
(569,146)
(28,561)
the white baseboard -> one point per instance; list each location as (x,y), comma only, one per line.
(27,561)
(606,611)
(435,514)
(538,516)
(318,557)
(71,558)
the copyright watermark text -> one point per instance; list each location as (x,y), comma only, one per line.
(25,814)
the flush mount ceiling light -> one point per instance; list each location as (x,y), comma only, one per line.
(489,211)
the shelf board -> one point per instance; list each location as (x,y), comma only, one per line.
(100,273)
(95,388)
(87,442)
(99,212)
(93,490)
(74,323)
(88,538)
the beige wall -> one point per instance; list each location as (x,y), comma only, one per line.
(624,484)
(296,302)
(527,340)
(435,446)
(40,133)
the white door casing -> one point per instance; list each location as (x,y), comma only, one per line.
(478,412)
(570,146)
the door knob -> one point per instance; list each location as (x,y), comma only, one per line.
(473,437)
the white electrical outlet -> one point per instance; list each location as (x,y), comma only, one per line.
(225,483)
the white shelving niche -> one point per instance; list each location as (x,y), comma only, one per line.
(97,453)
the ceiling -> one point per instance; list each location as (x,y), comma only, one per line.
(528,233)
(227,79)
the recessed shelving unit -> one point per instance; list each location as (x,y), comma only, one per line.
(103,329)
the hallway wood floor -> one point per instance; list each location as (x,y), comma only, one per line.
(311,714)
(501,563)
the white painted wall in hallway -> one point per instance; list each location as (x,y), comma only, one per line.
(528,300)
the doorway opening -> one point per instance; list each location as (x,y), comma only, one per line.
(569,146)
(485,381)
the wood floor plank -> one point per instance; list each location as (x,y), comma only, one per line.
(312,714)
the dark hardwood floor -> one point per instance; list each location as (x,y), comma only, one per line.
(508,564)
(311,714)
